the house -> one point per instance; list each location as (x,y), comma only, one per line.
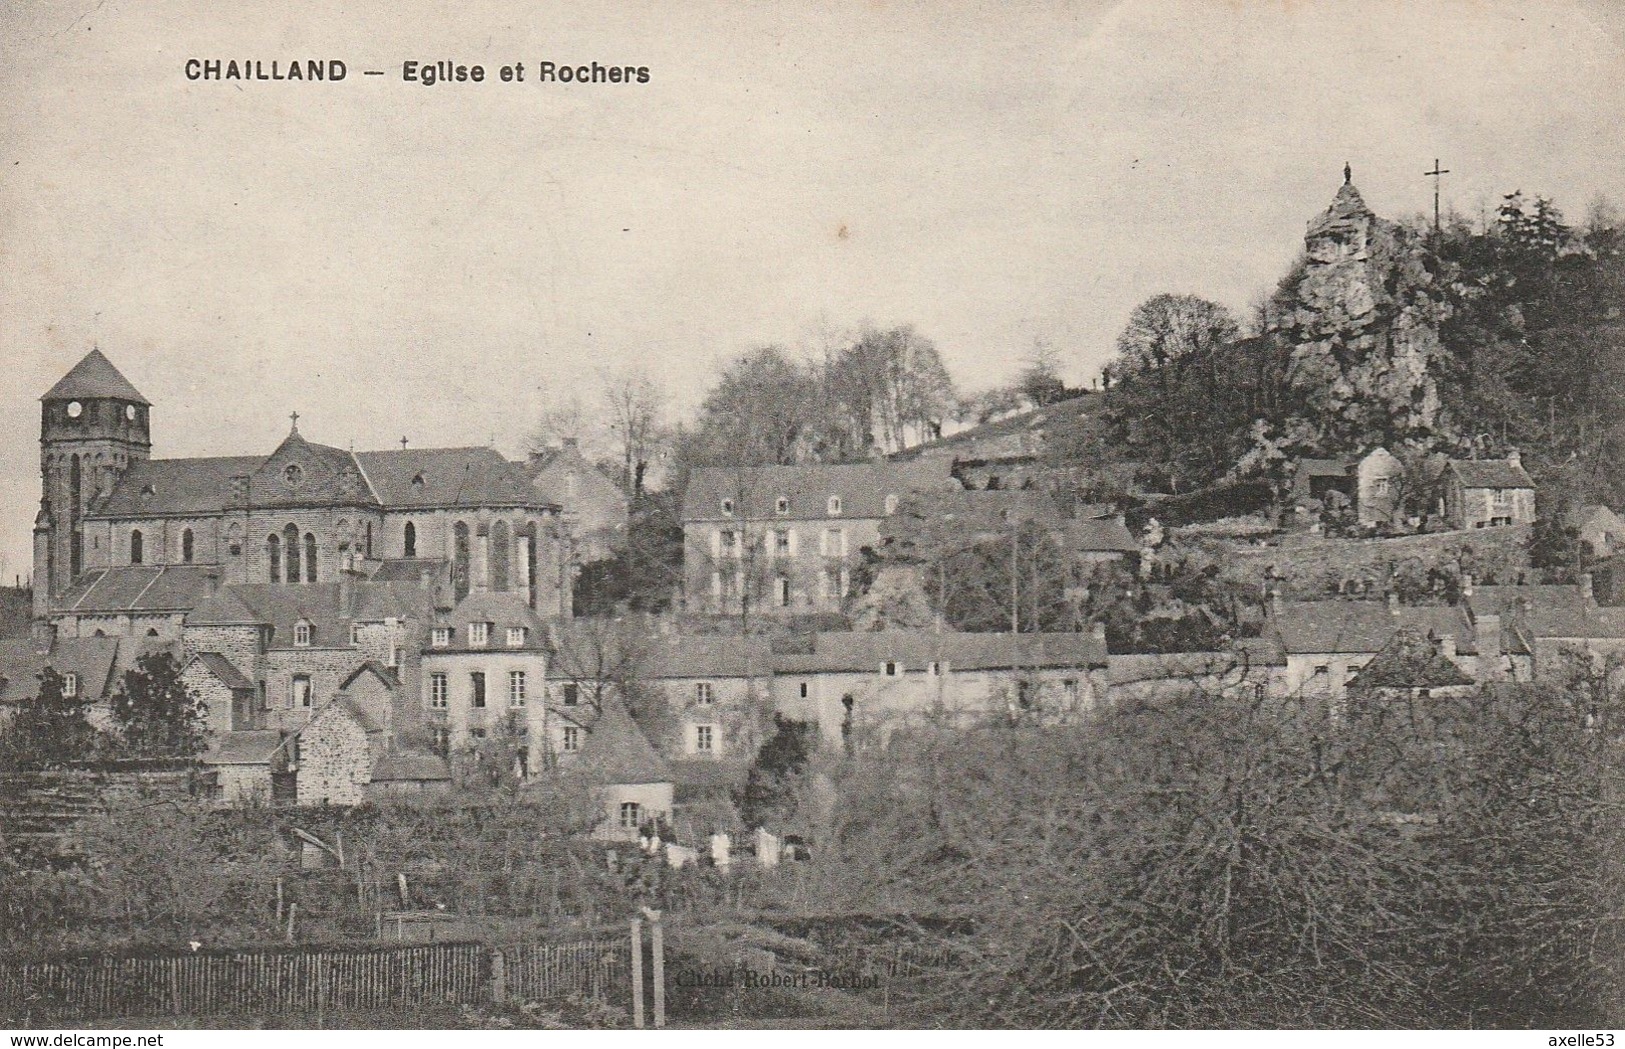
(1319,480)
(335,752)
(88,667)
(1602,531)
(1100,540)
(1412,665)
(402,775)
(484,671)
(1251,663)
(242,767)
(231,700)
(1006,453)
(1372,485)
(593,507)
(860,687)
(781,540)
(632,782)
(1548,623)
(1485,493)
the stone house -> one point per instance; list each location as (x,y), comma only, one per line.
(1379,492)
(594,508)
(232,700)
(1602,531)
(485,672)
(1548,624)
(243,766)
(89,668)
(632,781)
(335,752)
(860,687)
(1484,493)
(781,540)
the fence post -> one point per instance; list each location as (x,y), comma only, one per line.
(637,972)
(499,977)
(175,985)
(657,945)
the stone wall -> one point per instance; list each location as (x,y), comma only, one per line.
(335,760)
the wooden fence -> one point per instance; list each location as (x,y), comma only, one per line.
(309,980)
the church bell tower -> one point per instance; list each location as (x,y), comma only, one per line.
(93,425)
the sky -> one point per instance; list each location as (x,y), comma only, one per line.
(444,262)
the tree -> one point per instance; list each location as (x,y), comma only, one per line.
(156,714)
(636,407)
(50,728)
(891,390)
(763,411)
(771,785)
(1040,380)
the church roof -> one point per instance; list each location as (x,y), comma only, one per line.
(303,473)
(618,752)
(94,376)
(136,588)
(409,477)
(175,487)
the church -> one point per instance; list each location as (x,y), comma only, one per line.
(120,531)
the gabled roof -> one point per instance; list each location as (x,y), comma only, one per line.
(92,659)
(690,656)
(387,677)
(94,376)
(425,477)
(914,650)
(1310,627)
(303,473)
(223,670)
(242,748)
(175,487)
(1325,467)
(282,607)
(617,751)
(342,705)
(1109,535)
(1490,473)
(501,609)
(1409,660)
(861,487)
(137,588)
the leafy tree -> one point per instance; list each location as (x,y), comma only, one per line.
(156,714)
(50,728)
(1040,380)
(771,784)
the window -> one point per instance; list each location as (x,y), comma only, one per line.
(781,592)
(440,637)
(781,542)
(301,690)
(730,542)
(135,546)
(310,558)
(355,633)
(703,736)
(290,550)
(571,694)
(273,557)
(803,690)
(476,733)
(829,583)
(728,507)
(890,668)
(572,739)
(70,685)
(782,506)
(891,504)
(835,506)
(301,634)
(631,815)
(439,691)
(186,546)
(934,668)
(479,634)
(411,539)
(516,688)
(1322,670)
(440,740)
(516,636)
(834,543)
(703,693)
(476,683)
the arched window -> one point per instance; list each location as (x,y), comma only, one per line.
(459,560)
(290,541)
(186,546)
(234,539)
(501,552)
(411,539)
(273,557)
(136,545)
(76,540)
(310,558)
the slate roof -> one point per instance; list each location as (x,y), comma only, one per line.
(1325,467)
(326,476)
(862,488)
(137,588)
(223,670)
(282,607)
(617,751)
(1409,660)
(400,766)
(502,609)
(1334,626)
(93,376)
(1107,535)
(426,477)
(1500,600)
(912,650)
(242,748)
(175,487)
(1490,473)
(411,569)
(687,656)
(92,658)
(384,674)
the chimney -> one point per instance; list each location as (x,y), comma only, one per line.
(44,635)
(1447,646)
(1514,457)
(1275,603)
(1393,601)
(1587,597)
(1487,636)
(1466,584)
(1097,630)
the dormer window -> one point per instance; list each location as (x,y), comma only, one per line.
(835,506)
(783,505)
(728,507)
(516,636)
(70,685)
(479,635)
(302,634)
(417,482)
(440,637)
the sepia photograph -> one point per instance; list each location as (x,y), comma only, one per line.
(830,515)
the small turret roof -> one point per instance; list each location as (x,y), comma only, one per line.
(94,376)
